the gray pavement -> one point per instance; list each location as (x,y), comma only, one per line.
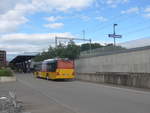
(42,96)
(33,101)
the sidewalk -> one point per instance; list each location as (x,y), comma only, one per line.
(33,101)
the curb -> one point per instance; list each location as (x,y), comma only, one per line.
(7,79)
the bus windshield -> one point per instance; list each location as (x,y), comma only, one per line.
(65,64)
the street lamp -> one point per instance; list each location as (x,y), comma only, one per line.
(114,28)
(114,33)
(114,36)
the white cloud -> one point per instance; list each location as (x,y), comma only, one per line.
(37,39)
(85,18)
(19,43)
(54,25)
(82,17)
(12,19)
(53,18)
(131,10)
(101,19)
(147,15)
(114,3)
(147,9)
(15,14)
(136,43)
(61,5)
(6,5)
(147,12)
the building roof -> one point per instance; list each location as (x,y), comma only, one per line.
(3,51)
(21,58)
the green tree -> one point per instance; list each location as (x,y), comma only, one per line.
(60,51)
(96,45)
(86,46)
(52,52)
(72,50)
(46,55)
(37,58)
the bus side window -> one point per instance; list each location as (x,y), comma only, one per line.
(51,67)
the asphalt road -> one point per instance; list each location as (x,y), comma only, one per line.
(83,97)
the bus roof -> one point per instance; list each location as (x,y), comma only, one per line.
(49,61)
(53,60)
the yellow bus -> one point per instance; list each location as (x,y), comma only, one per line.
(55,69)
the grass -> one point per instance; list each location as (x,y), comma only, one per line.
(5,73)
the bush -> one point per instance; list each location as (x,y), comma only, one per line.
(5,72)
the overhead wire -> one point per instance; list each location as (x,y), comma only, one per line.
(137,30)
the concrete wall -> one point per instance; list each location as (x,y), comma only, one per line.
(134,66)
(136,61)
(140,80)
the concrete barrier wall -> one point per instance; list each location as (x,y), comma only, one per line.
(7,79)
(133,66)
(136,61)
(140,80)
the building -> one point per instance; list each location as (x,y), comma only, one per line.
(22,63)
(2,58)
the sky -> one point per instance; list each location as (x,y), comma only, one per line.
(28,26)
